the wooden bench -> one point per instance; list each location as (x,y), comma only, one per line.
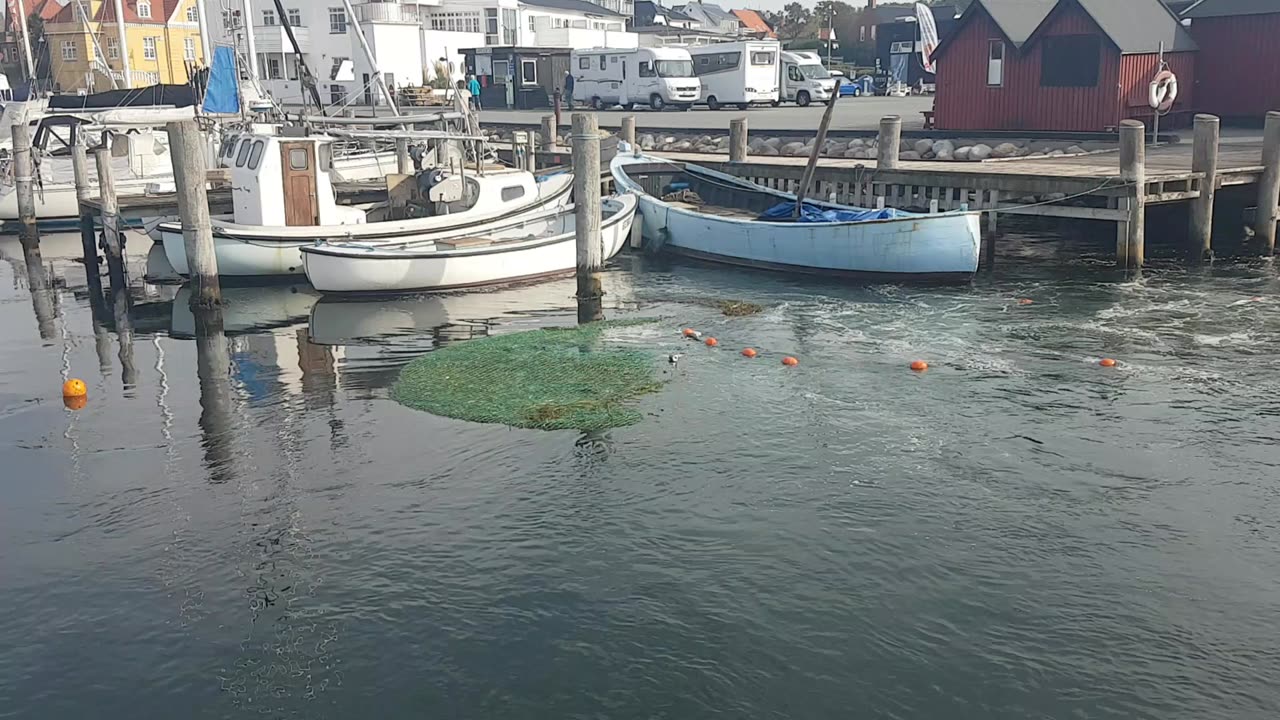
(928,119)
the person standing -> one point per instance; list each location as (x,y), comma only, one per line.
(474,86)
(568,87)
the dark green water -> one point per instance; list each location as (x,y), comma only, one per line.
(1017,533)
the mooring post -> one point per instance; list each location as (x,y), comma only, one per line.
(738,140)
(404,163)
(80,169)
(992,232)
(1204,159)
(550,125)
(186,143)
(586,193)
(628,133)
(112,241)
(1131,234)
(888,143)
(24,180)
(1269,185)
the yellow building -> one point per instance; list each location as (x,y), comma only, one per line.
(162,41)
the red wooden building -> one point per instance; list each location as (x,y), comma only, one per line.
(1238,69)
(1071,65)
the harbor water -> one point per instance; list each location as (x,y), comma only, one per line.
(245,525)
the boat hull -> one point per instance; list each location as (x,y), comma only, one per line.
(924,247)
(259,254)
(389,272)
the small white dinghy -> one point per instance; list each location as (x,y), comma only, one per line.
(535,246)
(284,199)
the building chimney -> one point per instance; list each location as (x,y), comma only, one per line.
(871,4)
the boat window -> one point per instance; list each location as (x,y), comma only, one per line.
(228,147)
(244,153)
(324,157)
(255,156)
(512,192)
(298,159)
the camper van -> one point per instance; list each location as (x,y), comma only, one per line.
(656,77)
(803,79)
(737,73)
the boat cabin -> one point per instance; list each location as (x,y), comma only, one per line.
(284,181)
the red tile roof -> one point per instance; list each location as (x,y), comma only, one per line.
(752,21)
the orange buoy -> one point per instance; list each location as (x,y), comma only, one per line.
(1107,362)
(75,402)
(919,365)
(1024,301)
(711,342)
(748,352)
(690,332)
(790,361)
(74,387)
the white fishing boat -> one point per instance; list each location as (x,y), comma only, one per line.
(283,200)
(535,246)
(705,214)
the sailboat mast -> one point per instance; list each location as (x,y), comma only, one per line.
(250,45)
(124,45)
(304,72)
(26,46)
(368,54)
(206,50)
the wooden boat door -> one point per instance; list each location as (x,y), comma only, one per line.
(298,162)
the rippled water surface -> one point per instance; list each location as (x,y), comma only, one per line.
(246,526)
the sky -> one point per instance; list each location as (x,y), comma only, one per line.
(764,4)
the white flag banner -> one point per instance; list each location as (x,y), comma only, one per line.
(928,35)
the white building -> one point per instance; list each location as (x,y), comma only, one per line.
(408,38)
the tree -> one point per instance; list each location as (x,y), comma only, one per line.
(793,22)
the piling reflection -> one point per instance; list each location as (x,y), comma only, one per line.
(41,289)
(122,315)
(217,405)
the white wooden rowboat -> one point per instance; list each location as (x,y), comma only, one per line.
(726,227)
(531,247)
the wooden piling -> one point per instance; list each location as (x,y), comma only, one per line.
(186,144)
(112,241)
(1204,159)
(404,163)
(585,142)
(24,180)
(738,140)
(1131,233)
(84,192)
(1269,185)
(550,124)
(628,134)
(992,232)
(889,142)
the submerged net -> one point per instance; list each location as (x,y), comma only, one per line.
(551,379)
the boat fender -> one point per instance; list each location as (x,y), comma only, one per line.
(1163,91)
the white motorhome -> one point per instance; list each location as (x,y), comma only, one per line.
(737,73)
(803,79)
(657,77)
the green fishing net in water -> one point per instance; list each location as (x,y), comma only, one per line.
(550,379)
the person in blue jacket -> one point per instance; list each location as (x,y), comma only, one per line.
(474,86)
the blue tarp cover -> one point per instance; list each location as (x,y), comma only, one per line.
(814,214)
(221,95)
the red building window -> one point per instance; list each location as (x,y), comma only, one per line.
(1070,61)
(995,63)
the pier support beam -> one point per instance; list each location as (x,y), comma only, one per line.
(112,241)
(24,180)
(1204,159)
(585,142)
(738,140)
(186,143)
(549,129)
(628,132)
(890,140)
(991,232)
(1269,185)
(1131,233)
(404,163)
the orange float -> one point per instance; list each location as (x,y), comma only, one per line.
(748,352)
(790,361)
(1107,362)
(711,342)
(75,402)
(74,387)
(919,365)
(1024,301)
(690,332)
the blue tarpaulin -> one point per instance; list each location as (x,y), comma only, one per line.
(221,96)
(814,214)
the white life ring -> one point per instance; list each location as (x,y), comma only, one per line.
(1163,91)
